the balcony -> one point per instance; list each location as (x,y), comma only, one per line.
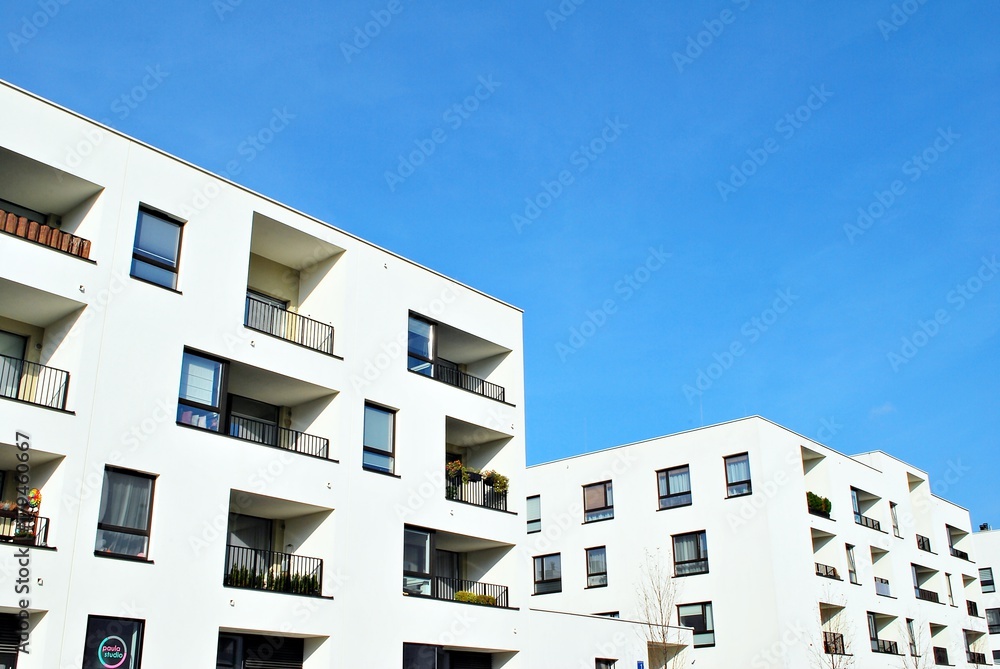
(826,571)
(476,491)
(279,322)
(269,434)
(461,590)
(883,646)
(972,608)
(882,587)
(867,522)
(927,595)
(941,656)
(959,554)
(924,544)
(459,379)
(833,643)
(33,383)
(272,571)
(24,528)
(975,658)
(35,230)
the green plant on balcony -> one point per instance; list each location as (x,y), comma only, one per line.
(499,482)
(818,505)
(455,468)
(470,597)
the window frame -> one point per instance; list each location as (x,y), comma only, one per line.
(663,481)
(596,574)
(609,503)
(735,484)
(539,560)
(430,557)
(529,518)
(983,582)
(895,520)
(365,448)
(852,564)
(707,612)
(89,662)
(145,257)
(701,544)
(147,532)
(430,360)
(990,627)
(222,408)
(604,663)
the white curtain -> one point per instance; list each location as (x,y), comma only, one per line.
(738,469)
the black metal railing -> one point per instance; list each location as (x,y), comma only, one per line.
(270,434)
(923,543)
(470,592)
(959,553)
(882,587)
(30,382)
(926,595)
(284,324)
(458,378)
(826,571)
(26,528)
(833,643)
(273,571)
(867,522)
(940,656)
(975,658)
(972,608)
(883,646)
(475,491)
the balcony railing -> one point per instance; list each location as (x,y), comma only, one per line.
(24,528)
(826,571)
(959,553)
(269,434)
(882,587)
(33,383)
(833,643)
(470,592)
(284,324)
(940,656)
(923,543)
(459,379)
(273,571)
(883,646)
(975,658)
(867,522)
(927,595)
(475,491)
(972,608)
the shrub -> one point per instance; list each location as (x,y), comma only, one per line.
(819,504)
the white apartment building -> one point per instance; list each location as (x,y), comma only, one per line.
(778,551)
(224,429)
(986,544)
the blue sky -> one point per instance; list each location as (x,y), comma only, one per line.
(707,210)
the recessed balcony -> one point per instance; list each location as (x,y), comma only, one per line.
(882,587)
(833,643)
(272,571)
(33,383)
(472,475)
(273,318)
(826,571)
(927,595)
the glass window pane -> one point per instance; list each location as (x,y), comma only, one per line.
(420,338)
(113,642)
(738,468)
(121,543)
(378,428)
(125,500)
(377,461)
(679,481)
(157,275)
(201,380)
(416,551)
(534,508)
(157,238)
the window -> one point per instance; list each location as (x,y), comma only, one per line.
(609,614)
(417,551)
(996,656)
(986,580)
(548,574)
(852,567)
(941,657)
(993,620)
(738,475)
(912,637)
(126,509)
(534,513)
(698,617)
(690,553)
(947,580)
(378,440)
(895,520)
(110,642)
(604,664)
(597,502)
(597,567)
(202,392)
(675,487)
(237,651)
(420,348)
(157,247)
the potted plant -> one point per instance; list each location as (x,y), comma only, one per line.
(818,505)
(498,481)
(454,469)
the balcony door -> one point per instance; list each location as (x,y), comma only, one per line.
(447,574)
(252,420)
(249,547)
(266,314)
(12,350)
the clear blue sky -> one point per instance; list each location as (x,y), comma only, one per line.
(659,243)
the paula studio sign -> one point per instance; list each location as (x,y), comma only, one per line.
(113,643)
(113,652)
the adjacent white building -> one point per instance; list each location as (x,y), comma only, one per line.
(777,550)
(986,543)
(225,428)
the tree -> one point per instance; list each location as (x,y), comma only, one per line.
(914,637)
(835,650)
(657,594)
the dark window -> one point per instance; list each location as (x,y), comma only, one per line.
(738,475)
(674,487)
(420,347)
(418,547)
(598,503)
(379,446)
(852,566)
(548,574)
(113,642)
(157,247)
(698,617)
(597,567)
(242,651)
(941,657)
(604,664)
(202,391)
(10,640)
(690,553)
(993,620)
(534,513)
(609,614)
(986,580)
(126,510)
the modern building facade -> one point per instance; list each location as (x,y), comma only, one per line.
(232,433)
(986,543)
(778,551)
